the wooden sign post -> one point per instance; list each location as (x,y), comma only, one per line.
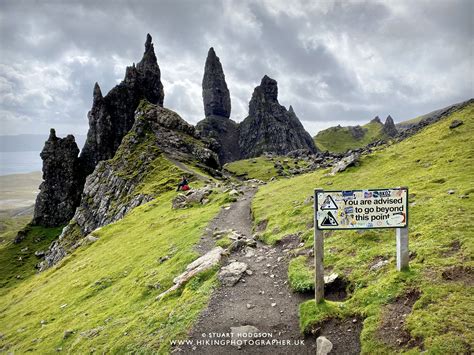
(318,256)
(359,209)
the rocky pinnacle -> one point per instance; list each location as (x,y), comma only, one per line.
(60,192)
(215,93)
(389,127)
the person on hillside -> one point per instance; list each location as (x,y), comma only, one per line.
(183,184)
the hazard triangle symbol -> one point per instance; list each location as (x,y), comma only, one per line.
(329,204)
(329,221)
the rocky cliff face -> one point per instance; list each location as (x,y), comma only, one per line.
(389,128)
(112,116)
(217,127)
(60,191)
(270,127)
(130,179)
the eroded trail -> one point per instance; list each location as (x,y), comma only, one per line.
(261,298)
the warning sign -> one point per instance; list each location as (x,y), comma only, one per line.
(362,209)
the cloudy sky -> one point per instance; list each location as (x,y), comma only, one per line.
(336,62)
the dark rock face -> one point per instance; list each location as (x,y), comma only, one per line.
(376,119)
(270,127)
(112,116)
(215,93)
(222,132)
(60,192)
(113,189)
(357,132)
(389,128)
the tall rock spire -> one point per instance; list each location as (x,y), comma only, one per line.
(150,74)
(215,93)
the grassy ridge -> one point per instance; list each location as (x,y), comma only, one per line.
(104,294)
(441,236)
(339,139)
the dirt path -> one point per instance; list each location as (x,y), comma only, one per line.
(262,299)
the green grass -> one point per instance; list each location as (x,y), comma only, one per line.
(430,163)
(111,286)
(339,139)
(300,277)
(263,168)
(17,261)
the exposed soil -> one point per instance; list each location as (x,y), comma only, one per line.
(344,334)
(454,247)
(262,299)
(392,328)
(459,273)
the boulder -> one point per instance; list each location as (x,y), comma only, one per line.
(231,274)
(323,345)
(344,163)
(455,123)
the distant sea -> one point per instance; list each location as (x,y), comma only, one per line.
(20,153)
(19,162)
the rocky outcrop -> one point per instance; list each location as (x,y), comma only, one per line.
(215,93)
(376,119)
(270,127)
(115,186)
(112,116)
(60,191)
(389,128)
(222,132)
(357,132)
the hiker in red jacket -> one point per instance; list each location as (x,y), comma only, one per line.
(183,184)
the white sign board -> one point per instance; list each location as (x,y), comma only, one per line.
(362,209)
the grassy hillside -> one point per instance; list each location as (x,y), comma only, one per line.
(339,139)
(103,295)
(441,239)
(263,168)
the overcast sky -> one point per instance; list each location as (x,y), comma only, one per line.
(336,62)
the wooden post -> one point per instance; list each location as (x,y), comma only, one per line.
(318,256)
(402,248)
(403,256)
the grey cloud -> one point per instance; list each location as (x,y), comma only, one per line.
(335,62)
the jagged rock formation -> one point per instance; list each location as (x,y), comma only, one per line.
(221,131)
(269,126)
(60,192)
(116,186)
(215,93)
(389,128)
(112,116)
(376,119)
